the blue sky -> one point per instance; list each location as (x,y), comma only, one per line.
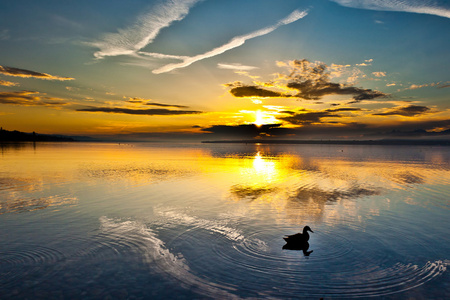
(147,69)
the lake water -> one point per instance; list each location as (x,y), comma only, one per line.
(141,221)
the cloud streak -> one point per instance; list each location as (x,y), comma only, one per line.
(152,103)
(8,83)
(233,43)
(148,112)
(406,111)
(130,40)
(236,67)
(29,98)
(30,74)
(413,6)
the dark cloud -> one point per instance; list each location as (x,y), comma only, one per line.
(27,74)
(344,109)
(310,80)
(313,90)
(165,105)
(304,117)
(148,112)
(29,98)
(244,130)
(308,117)
(406,111)
(255,91)
(330,130)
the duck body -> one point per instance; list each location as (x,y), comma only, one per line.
(299,238)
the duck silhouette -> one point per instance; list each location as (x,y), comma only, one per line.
(299,238)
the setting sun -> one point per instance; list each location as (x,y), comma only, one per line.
(259,118)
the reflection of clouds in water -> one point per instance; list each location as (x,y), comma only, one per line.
(154,251)
(319,195)
(22,184)
(250,192)
(21,204)
(216,226)
(132,172)
(409,178)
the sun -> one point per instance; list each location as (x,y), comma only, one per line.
(259,118)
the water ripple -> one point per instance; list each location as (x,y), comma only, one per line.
(18,264)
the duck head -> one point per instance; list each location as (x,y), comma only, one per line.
(306,228)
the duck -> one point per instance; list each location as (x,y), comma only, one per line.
(299,237)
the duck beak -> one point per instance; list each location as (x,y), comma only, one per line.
(311,231)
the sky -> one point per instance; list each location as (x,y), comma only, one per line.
(226,69)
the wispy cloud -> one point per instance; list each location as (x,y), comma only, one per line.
(30,74)
(236,67)
(8,83)
(233,43)
(29,98)
(147,27)
(433,84)
(153,103)
(148,112)
(437,8)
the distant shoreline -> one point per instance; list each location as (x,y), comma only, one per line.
(337,142)
(7,136)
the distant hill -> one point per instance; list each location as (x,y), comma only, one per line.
(18,136)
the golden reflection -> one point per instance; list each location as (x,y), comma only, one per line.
(265,167)
(295,186)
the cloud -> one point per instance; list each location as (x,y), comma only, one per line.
(241,131)
(237,67)
(148,112)
(433,84)
(147,27)
(353,130)
(379,74)
(151,103)
(437,8)
(29,98)
(8,83)
(165,105)
(308,117)
(240,90)
(233,43)
(311,80)
(406,111)
(30,74)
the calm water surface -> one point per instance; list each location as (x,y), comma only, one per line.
(140,221)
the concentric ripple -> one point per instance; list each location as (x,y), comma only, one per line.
(337,267)
(15,265)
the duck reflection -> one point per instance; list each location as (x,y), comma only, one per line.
(303,246)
